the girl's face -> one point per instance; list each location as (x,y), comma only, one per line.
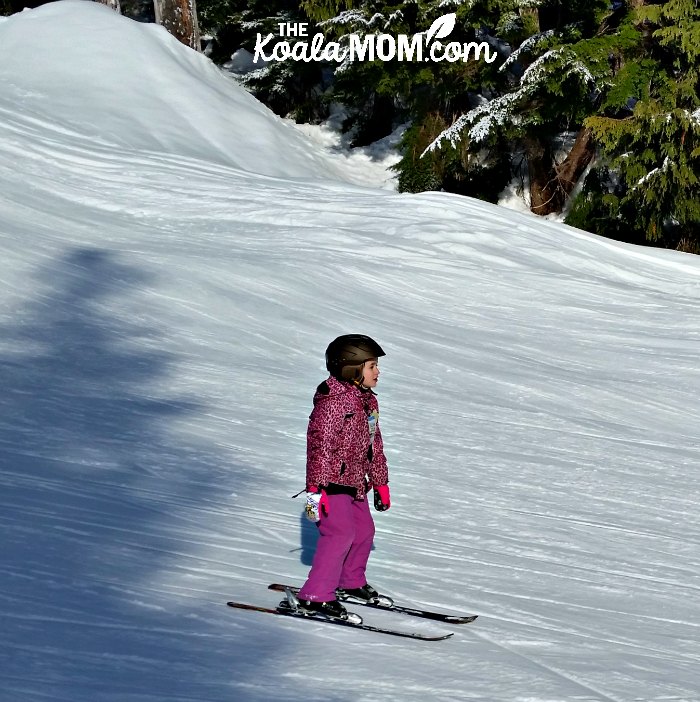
(370,373)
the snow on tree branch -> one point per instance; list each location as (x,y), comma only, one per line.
(528,45)
(494,113)
(355,17)
(501,110)
(397,15)
(448,4)
(654,171)
(536,72)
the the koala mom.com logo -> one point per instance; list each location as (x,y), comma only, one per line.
(424,46)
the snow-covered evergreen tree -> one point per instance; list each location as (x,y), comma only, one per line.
(653,151)
(544,90)
(378,94)
(578,85)
(289,88)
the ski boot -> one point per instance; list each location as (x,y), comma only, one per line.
(324,610)
(366,593)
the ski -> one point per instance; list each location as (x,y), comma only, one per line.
(339,622)
(423,613)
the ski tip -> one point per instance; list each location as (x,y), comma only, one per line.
(461,620)
(443,637)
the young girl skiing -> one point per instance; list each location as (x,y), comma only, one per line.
(345,458)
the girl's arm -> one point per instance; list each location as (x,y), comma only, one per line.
(379,472)
(325,426)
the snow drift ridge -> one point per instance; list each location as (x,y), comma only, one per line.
(186,105)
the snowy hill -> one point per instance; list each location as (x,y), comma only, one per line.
(130,85)
(174,261)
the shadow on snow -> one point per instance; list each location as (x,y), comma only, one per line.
(99,495)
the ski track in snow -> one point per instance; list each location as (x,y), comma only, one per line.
(165,309)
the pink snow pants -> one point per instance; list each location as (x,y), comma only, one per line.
(344,544)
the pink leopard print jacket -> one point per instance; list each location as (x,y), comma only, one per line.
(338,438)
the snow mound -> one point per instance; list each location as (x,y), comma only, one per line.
(134,86)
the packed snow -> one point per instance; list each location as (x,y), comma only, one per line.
(175,260)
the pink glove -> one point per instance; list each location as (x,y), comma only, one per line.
(317,504)
(382,500)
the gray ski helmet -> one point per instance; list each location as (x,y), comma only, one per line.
(346,354)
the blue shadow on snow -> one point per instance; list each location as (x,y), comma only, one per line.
(98,496)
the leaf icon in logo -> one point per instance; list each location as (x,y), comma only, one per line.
(441,27)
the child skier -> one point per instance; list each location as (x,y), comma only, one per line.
(345,458)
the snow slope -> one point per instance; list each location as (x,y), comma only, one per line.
(184,105)
(167,294)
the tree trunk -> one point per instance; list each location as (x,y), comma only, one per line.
(573,166)
(540,171)
(552,183)
(179,17)
(114,4)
